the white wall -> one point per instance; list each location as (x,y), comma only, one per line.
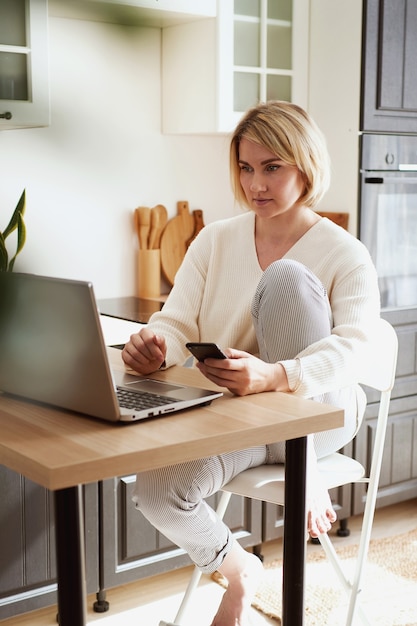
(102,156)
(334,96)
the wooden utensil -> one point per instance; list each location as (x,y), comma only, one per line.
(149,274)
(174,239)
(342,219)
(143,225)
(198,224)
(159,218)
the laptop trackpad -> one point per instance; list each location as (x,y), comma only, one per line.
(152,386)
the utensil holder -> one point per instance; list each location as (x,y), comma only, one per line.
(149,273)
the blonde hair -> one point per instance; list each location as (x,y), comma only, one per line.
(287,131)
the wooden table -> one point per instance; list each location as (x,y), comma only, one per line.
(61,451)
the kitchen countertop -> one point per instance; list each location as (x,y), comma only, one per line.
(117,331)
(130,308)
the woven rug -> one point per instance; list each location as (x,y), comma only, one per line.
(389,595)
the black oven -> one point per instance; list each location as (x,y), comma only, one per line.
(388,214)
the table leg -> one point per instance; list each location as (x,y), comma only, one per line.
(69,531)
(294,544)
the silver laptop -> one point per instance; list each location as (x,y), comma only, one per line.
(52,351)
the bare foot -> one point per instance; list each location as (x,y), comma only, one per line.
(242,585)
(320,512)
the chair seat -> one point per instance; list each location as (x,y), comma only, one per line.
(267,482)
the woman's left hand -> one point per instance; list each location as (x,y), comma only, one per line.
(243,374)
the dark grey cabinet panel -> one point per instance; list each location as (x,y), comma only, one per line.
(27,538)
(27,544)
(389,69)
(133,549)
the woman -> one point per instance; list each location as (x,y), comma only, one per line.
(291,297)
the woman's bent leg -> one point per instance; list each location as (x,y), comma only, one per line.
(291,311)
(173,500)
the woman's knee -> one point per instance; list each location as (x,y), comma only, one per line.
(176,487)
(152,492)
(290,310)
(294,282)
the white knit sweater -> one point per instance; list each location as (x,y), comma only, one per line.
(214,287)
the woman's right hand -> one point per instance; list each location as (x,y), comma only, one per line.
(145,352)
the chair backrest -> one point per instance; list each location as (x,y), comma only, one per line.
(379,371)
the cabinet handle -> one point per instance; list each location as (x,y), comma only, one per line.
(6,116)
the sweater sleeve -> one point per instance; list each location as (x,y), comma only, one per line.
(212,294)
(177,322)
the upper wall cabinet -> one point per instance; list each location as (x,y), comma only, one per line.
(215,69)
(154,13)
(389,75)
(24,89)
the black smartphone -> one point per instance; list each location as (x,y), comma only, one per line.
(203,351)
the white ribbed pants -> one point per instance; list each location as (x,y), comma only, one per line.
(290,311)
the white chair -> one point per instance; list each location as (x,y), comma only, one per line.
(267,481)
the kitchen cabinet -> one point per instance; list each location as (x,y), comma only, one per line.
(389,71)
(24,88)
(133,549)
(213,70)
(27,544)
(388,106)
(152,13)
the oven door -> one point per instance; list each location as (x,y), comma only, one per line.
(388,228)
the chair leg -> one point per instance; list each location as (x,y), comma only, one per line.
(192,586)
(351,589)
(196,575)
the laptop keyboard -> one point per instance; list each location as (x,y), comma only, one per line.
(141,400)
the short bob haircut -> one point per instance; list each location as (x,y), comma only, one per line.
(287,131)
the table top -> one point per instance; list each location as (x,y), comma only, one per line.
(59,449)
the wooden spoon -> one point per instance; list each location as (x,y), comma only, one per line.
(143,224)
(159,218)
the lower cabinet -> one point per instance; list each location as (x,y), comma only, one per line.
(133,549)
(27,544)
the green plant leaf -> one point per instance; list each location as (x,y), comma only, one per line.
(14,220)
(4,257)
(21,238)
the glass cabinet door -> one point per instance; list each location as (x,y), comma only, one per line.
(263,60)
(24,99)
(253,51)
(13,51)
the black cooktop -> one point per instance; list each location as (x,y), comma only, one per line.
(130,308)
